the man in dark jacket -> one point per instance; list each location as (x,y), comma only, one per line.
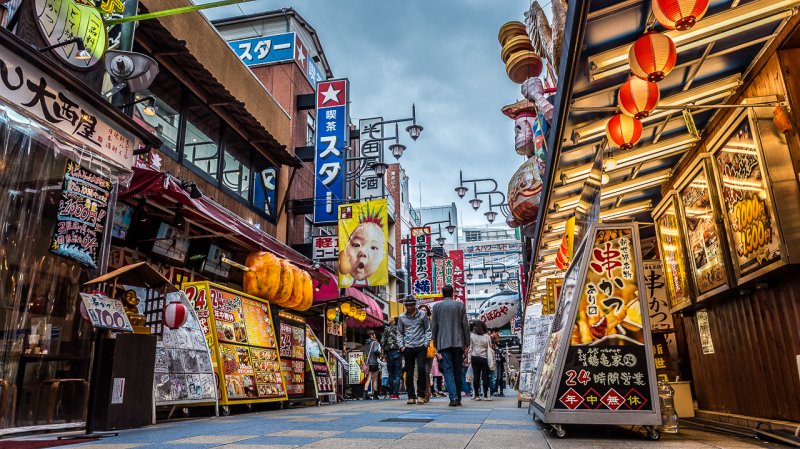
(394,359)
(450,329)
(414,333)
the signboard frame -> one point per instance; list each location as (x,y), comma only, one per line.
(675,263)
(549,414)
(332,139)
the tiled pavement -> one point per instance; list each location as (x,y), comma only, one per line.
(393,424)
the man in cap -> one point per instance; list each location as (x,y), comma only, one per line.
(450,329)
(414,333)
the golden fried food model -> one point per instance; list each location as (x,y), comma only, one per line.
(278,281)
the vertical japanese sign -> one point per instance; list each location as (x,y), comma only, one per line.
(704,329)
(364,244)
(62,20)
(665,349)
(459,283)
(443,274)
(82,215)
(332,137)
(369,184)
(421,264)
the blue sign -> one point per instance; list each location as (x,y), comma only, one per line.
(264,189)
(332,136)
(265,50)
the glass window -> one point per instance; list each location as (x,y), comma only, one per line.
(236,165)
(201,144)
(265,187)
(164,120)
(311,128)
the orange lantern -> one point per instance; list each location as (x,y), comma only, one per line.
(562,257)
(652,56)
(623,131)
(679,14)
(637,97)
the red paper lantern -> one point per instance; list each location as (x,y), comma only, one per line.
(679,14)
(637,97)
(84,312)
(652,56)
(624,131)
(175,314)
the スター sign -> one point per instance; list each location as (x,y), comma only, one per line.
(265,50)
(333,136)
(39,95)
(599,357)
(82,215)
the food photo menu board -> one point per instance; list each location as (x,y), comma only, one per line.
(703,233)
(293,352)
(320,368)
(242,340)
(676,275)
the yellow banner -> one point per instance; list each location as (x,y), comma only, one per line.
(364,244)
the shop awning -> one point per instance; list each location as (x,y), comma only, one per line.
(162,189)
(330,292)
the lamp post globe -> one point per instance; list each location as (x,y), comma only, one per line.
(397,149)
(414,131)
(461,191)
(475,203)
(380,168)
(491,215)
(441,241)
(451,228)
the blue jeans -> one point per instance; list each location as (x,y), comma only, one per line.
(394,364)
(452,362)
(493,381)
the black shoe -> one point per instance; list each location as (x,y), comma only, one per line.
(458,402)
(453,403)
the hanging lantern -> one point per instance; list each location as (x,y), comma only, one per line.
(638,97)
(604,179)
(652,56)
(331,314)
(781,120)
(346,308)
(679,14)
(175,314)
(623,131)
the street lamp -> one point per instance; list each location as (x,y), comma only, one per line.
(397,149)
(461,191)
(380,168)
(476,202)
(413,129)
(490,215)
(451,228)
(441,241)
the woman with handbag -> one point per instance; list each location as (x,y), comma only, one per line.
(373,367)
(482,358)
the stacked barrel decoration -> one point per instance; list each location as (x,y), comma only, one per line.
(278,281)
(652,57)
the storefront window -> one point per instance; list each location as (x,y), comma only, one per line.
(165,123)
(236,165)
(201,144)
(45,344)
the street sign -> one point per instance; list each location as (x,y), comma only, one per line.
(333,136)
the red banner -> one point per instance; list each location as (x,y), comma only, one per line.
(421,264)
(459,284)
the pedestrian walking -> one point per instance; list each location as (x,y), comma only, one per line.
(373,355)
(450,331)
(429,356)
(500,369)
(480,344)
(465,382)
(437,388)
(384,377)
(394,359)
(414,333)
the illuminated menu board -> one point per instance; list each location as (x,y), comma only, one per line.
(673,255)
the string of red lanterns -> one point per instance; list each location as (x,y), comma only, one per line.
(652,57)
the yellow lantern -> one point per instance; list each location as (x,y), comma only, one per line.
(362,316)
(346,308)
(331,314)
(352,311)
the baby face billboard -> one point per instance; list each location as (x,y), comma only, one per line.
(363,244)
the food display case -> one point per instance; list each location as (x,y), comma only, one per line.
(673,252)
(698,203)
(292,334)
(240,334)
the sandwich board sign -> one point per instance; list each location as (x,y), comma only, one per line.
(598,362)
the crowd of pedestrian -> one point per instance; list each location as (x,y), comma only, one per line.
(438,352)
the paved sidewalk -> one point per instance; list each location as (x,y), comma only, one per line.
(387,424)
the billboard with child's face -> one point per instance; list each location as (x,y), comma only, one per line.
(364,244)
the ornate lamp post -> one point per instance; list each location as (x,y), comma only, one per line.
(476,201)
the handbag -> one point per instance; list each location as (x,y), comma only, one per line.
(364,367)
(470,376)
(490,356)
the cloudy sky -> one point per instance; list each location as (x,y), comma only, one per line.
(442,55)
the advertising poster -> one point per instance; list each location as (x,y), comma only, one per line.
(660,317)
(748,213)
(82,215)
(421,263)
(325,247)
(671,246)
(354,374)
(292,348)
(333,135)
(606,363)
(704,328)
(170,244)
(364,244)
(319,363)
(240,335)
(534,335)
(105,312)
(703,234)
(443,274)
(459,282)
